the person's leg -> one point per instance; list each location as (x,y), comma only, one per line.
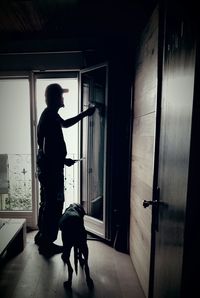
(51,214)
(40,216)
(43,180)
(59,195)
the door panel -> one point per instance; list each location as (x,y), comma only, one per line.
(93,87)
(175,131)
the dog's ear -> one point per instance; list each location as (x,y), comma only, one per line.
(68,207)
(79,209)
(83,211)
(65,210)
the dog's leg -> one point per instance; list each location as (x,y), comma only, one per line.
(67,284)
(81,259)
(89,280)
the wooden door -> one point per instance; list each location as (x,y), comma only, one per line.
(143,149)
(174,150)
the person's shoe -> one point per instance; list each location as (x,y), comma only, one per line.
(50,249)
(37,238)
(56,249)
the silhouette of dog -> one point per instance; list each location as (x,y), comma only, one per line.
(74,235)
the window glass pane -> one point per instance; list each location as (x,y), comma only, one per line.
(93,171)
(15,146)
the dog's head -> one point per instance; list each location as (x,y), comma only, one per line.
(79,209)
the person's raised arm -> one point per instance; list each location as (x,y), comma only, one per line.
(71,121)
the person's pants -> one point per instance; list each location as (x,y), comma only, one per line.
(51,205)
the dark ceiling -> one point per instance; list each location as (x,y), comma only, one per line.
(26,20)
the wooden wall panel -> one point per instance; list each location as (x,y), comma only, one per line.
(143,136)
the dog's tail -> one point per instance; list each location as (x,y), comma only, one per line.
(76,258)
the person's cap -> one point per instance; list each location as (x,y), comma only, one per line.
(54,90)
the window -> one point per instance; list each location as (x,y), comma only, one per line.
(15,148)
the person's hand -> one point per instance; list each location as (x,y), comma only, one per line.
(69,162)
(90,111)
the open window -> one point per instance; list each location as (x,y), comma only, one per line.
(93,149)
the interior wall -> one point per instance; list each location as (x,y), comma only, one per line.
(118,150)
(143,140)
(41,61)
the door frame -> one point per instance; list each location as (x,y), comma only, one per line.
(50,74)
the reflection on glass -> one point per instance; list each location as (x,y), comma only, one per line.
(15,149)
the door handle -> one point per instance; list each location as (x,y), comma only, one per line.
(155,211)
(155,205)
(150,203)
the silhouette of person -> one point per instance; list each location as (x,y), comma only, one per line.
(51,159)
